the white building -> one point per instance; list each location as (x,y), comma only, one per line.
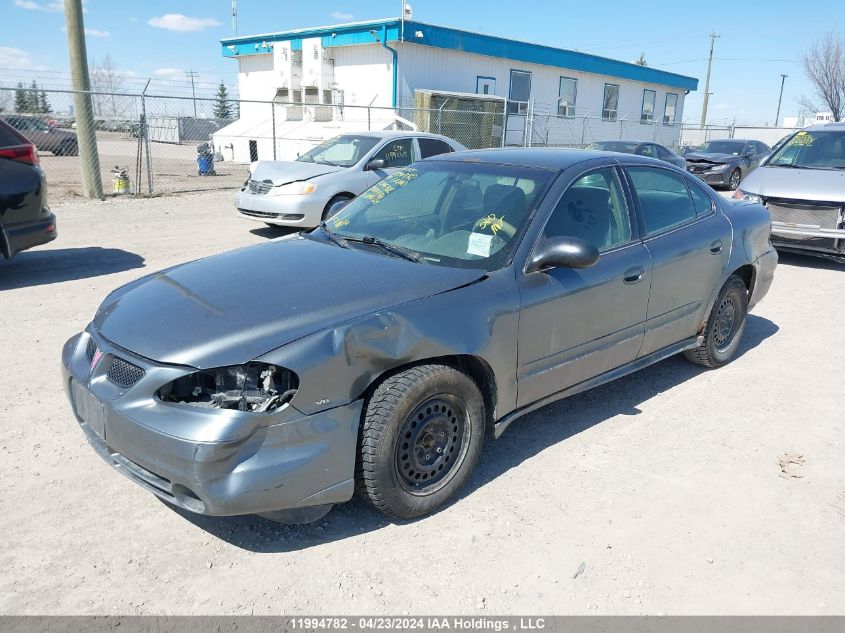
(302,86)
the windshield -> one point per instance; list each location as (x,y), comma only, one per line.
(721,147)
(341,151)
(812,150)
(614,146)
(465,215)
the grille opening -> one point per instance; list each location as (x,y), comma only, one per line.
(90,350)
(255,387)
(188,498)
(123,373)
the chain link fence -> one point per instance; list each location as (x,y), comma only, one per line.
(152,144)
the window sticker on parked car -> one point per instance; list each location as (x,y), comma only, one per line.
(479,244)
(801,139)
(495,224)
(401,178)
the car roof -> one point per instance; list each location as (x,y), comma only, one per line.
(395,134)
(545,157)
(626,140)
(839,125)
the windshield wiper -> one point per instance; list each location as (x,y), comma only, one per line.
(788,165)
(390,248)
(331,235)
(326,162)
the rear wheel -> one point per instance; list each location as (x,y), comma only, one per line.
(733,181)
(422,433)
(724,328)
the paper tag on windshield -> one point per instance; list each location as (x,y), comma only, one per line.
(479,244)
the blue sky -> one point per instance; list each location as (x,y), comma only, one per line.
(162,39)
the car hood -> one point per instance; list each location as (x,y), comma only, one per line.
(281,172)
(706,157)
(818,185)
(233,307)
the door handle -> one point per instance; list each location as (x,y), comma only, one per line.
(716,247)
(633,275)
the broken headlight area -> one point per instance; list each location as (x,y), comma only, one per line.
(255,387)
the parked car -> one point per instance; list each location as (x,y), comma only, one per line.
(25,218)
(641,148)
(318,183)
(450,298)
(803,186)
(45,138)
(725,162)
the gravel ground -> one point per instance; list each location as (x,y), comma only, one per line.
(664,487)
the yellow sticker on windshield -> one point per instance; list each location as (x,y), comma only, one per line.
(495,224)
(339,223)
(802,139)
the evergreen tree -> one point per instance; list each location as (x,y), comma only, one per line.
(21,101)
(222,107)
(43,103)
(641,61)
(32,98)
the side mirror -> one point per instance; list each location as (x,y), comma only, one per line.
(563,252)
(378,163)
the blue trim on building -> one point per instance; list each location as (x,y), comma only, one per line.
(465,41)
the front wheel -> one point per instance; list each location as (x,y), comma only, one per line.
(733,181)
(334,205)
(421,436)
(724,328)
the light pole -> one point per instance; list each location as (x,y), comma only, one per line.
(782,80)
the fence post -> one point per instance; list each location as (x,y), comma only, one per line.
(583,129)
(273,116)
(145,130)
(368,118)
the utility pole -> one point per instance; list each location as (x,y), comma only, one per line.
(780,98)
(713,37)
(193,74)
(235,17)
(92,184)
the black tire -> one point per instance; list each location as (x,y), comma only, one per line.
(333,205)
(734,179)
(440,412)
(724,328)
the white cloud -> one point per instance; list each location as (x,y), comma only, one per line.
(15,58)
(340,15)
(182,23)
(169,73)
(30,5)
(722,106)
(97,33)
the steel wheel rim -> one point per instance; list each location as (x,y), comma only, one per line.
(726,323)
(432,444)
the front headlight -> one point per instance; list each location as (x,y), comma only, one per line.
(718,167)
(753,198)
(255,387)
(299,188)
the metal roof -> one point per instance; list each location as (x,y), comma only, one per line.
(424,34)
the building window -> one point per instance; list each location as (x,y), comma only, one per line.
(647,114)
(670,109)
(520,92)
(610,105)
(485,85)
(567,93)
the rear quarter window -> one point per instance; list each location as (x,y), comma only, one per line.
(9,137)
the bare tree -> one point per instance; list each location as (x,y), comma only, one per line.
(105,78)
(824,64)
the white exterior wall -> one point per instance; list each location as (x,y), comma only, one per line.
(363,72)
(426,67)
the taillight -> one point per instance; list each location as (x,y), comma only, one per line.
(20,153)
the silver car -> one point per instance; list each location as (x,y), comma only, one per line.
(317,184)
(641,148)
(803,185)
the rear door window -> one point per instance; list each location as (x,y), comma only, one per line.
(663,196)
(700,198)
(433,147)
(9,138)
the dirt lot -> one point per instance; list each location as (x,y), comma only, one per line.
(174,168)
(664,486)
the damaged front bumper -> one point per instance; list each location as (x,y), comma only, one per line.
(209,461)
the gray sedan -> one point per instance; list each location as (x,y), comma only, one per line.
(725,162)
(640,148)
(314,186)
(379,349)
(45,137)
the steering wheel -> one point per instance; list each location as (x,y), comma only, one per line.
(495,226)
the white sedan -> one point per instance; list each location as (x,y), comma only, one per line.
(317,184)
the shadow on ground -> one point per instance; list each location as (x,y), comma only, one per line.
(50,266)
(271,232)
(527,437)
(809,261)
